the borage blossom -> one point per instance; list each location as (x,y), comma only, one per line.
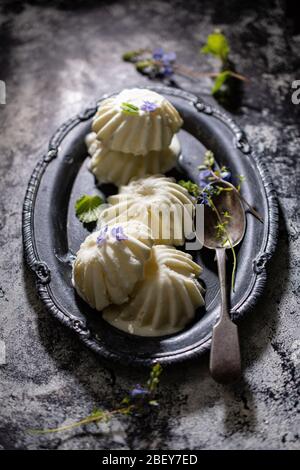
(102,236)
(207,193)
(165,61)
(116,232)
(205,176)
(148,106)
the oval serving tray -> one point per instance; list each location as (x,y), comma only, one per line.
(52,234)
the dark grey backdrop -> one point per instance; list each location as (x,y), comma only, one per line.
(55,60)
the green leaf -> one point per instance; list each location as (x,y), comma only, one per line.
(125,401)
(209,159)
(241,179)
(153,403)
(217,45)
(191,187)
(130,56)
(226,215)
(220,80)
(142,65)
(126,410)
(154,378)
(97,413)
(129,108)
(87,208)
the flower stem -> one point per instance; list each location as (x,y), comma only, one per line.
(229,241)
(185,71)
(251,208)
(87,420)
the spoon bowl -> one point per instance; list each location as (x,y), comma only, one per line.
(227,201)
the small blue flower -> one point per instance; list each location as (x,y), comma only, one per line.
(204,199)
(148,106)
(167,71)
(207,192)
(139,395)
(118,233)
(158,53)
(102,236)
(166,59)
(169,57)
(204,176)
(139,391)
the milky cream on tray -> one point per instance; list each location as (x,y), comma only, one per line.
(157,201)
(112,166)
(164,302)
(110,262)
(136,121)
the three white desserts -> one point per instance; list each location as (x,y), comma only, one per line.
(130,267)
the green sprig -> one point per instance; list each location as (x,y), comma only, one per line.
(154,378)
(241,179)
(143,65)
(224,237)
(224,81)
(221,78)
(129,108)
(217,45)
(128,405)
(191,187)
(132,56)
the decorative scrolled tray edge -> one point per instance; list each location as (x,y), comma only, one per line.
(42,271)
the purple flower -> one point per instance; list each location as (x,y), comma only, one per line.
(204,199)
(167,71)
(118,233)
(139,396)
(204,176)
(207,192)
(158,53)
(169,57)
(102,236)
(166,59)
(148,106)
(139,391)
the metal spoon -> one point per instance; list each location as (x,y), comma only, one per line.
(225,357)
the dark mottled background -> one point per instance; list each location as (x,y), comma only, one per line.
(54,59)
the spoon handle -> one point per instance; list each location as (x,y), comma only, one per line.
(225,357)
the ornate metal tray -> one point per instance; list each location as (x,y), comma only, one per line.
(51,232)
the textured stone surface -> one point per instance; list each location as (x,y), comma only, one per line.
(56,59)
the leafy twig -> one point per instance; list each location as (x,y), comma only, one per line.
(139,399)
(218,46)
(224,175)
(207,187)
(160,64)
(223,231)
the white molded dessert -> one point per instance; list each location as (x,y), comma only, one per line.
(110,262)
(136,121)
(110,166)
(164,302)
(157,201)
